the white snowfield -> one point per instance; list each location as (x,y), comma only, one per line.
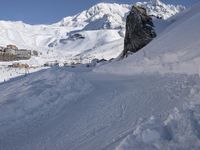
(59,109)
(148,101)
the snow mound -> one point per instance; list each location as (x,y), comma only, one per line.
(179,131)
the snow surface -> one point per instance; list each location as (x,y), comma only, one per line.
(148,101)
(62,108)
(179,131)
(175,50)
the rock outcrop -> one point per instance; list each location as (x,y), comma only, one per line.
(139,30)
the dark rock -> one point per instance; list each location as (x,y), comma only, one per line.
(76,36)
(34,53)
(139,30)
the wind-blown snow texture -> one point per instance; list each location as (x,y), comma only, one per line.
(147,101)
(174,51)
(77,109)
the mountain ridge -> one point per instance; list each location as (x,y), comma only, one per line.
(98,28)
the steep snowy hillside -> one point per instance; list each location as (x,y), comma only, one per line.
(174,50)
(149,101)
(77,109)
(28,36)
(108,17)
(113,16)
(100,16)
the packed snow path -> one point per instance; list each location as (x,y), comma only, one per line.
(76,109)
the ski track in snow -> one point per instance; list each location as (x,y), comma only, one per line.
(67,110)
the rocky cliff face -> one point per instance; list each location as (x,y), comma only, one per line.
(139,30)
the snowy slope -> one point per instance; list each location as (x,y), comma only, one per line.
(98,26)
(79,110)
(174,50)
(160,9)
(100,16)
(28,36)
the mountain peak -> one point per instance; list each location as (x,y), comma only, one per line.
(155,2)
(113,15)
(100,16)
(159,9)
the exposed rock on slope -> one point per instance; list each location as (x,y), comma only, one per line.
(139,30)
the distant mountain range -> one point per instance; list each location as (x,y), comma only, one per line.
(89,34)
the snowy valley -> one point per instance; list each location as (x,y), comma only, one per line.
(147,101)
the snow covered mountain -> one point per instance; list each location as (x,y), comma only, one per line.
(160,9)
(172,51)
(113,16)
(94,33)
(149,101)
(88,35)
(100,16)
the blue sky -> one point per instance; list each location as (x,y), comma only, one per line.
(51,11)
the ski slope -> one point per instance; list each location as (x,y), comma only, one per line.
(78,109)
(175,50)
(123,105)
